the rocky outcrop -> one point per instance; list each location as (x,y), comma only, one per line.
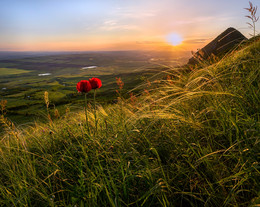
(222,44)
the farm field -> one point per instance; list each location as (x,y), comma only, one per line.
(12,71)
(23,81)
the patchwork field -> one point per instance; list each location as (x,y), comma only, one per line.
(11,71)
(23,81)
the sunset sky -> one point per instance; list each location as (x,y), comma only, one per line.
(81,25)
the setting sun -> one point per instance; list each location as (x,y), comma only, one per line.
(174,39)
(84,25)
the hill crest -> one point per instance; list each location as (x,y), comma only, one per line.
(222,44)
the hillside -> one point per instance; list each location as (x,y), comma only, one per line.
(190,138)
(223,43)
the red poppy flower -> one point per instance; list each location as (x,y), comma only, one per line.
(95,83)
(84,86)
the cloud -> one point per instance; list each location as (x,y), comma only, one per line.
(133,13)
(196,41)
(148,42)
(110,22)
(112,25)
(137,15)
(201,19)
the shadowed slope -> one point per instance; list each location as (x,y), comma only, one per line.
(225,42)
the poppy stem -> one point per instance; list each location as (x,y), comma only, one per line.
(95,112)
(86,113)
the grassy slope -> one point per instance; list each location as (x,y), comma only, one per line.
(189,140)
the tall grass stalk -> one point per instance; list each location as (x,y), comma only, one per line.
(47,103)
(252,16)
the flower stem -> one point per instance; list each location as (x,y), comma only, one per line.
(86,113)
(95,111)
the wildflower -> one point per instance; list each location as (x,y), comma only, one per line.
(120,83)
(3,106)
(84,86)
(95,83)
(132,99)
(57,114)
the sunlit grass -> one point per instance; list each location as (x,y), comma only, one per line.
(190,138)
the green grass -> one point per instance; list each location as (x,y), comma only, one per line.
(12,71)
(189,139)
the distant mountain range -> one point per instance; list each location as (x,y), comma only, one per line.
(222,44)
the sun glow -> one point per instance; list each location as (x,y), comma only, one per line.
(174,39)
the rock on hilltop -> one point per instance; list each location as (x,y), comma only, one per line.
(223,43)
